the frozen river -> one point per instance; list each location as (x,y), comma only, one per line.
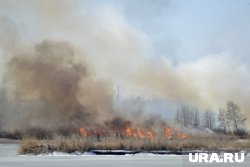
(10,158)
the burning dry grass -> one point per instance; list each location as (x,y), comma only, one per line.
(132,139)
(82,144)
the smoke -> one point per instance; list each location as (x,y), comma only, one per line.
(62,62)
(210,80)
(52,76)
(207,82)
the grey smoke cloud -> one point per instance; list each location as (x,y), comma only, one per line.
(112,51)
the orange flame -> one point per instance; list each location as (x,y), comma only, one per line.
(168,133)
(136,133)
(182,136)
(140,133)
(83,132)
(129,131)
(149,134)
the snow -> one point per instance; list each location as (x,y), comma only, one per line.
(127,153)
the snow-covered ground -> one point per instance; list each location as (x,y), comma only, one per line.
(9,158)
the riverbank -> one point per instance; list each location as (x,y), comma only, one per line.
(9,141)
(131,145)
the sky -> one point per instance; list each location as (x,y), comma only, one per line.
(178,29)
(175,50)
(184,30)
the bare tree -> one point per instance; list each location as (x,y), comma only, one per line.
(234,116)
(196,118)
(188,116)
(222,118)
(209,119)
(179,118)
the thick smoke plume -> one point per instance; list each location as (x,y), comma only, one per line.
(51,75)
(64,91)
(50,82)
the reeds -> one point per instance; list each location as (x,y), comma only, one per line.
(82,144)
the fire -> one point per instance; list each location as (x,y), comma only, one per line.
(168,133)
(149,134)
(129,132)
(182,136)
(135,133)
(83,132)
(140,133)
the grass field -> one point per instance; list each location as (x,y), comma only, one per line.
(82,144)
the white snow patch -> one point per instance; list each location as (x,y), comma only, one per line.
(88,154)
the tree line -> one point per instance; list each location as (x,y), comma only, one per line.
(229,119)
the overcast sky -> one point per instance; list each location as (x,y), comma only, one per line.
(178,29)
(184,30)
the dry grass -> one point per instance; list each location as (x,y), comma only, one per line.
(82,144)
